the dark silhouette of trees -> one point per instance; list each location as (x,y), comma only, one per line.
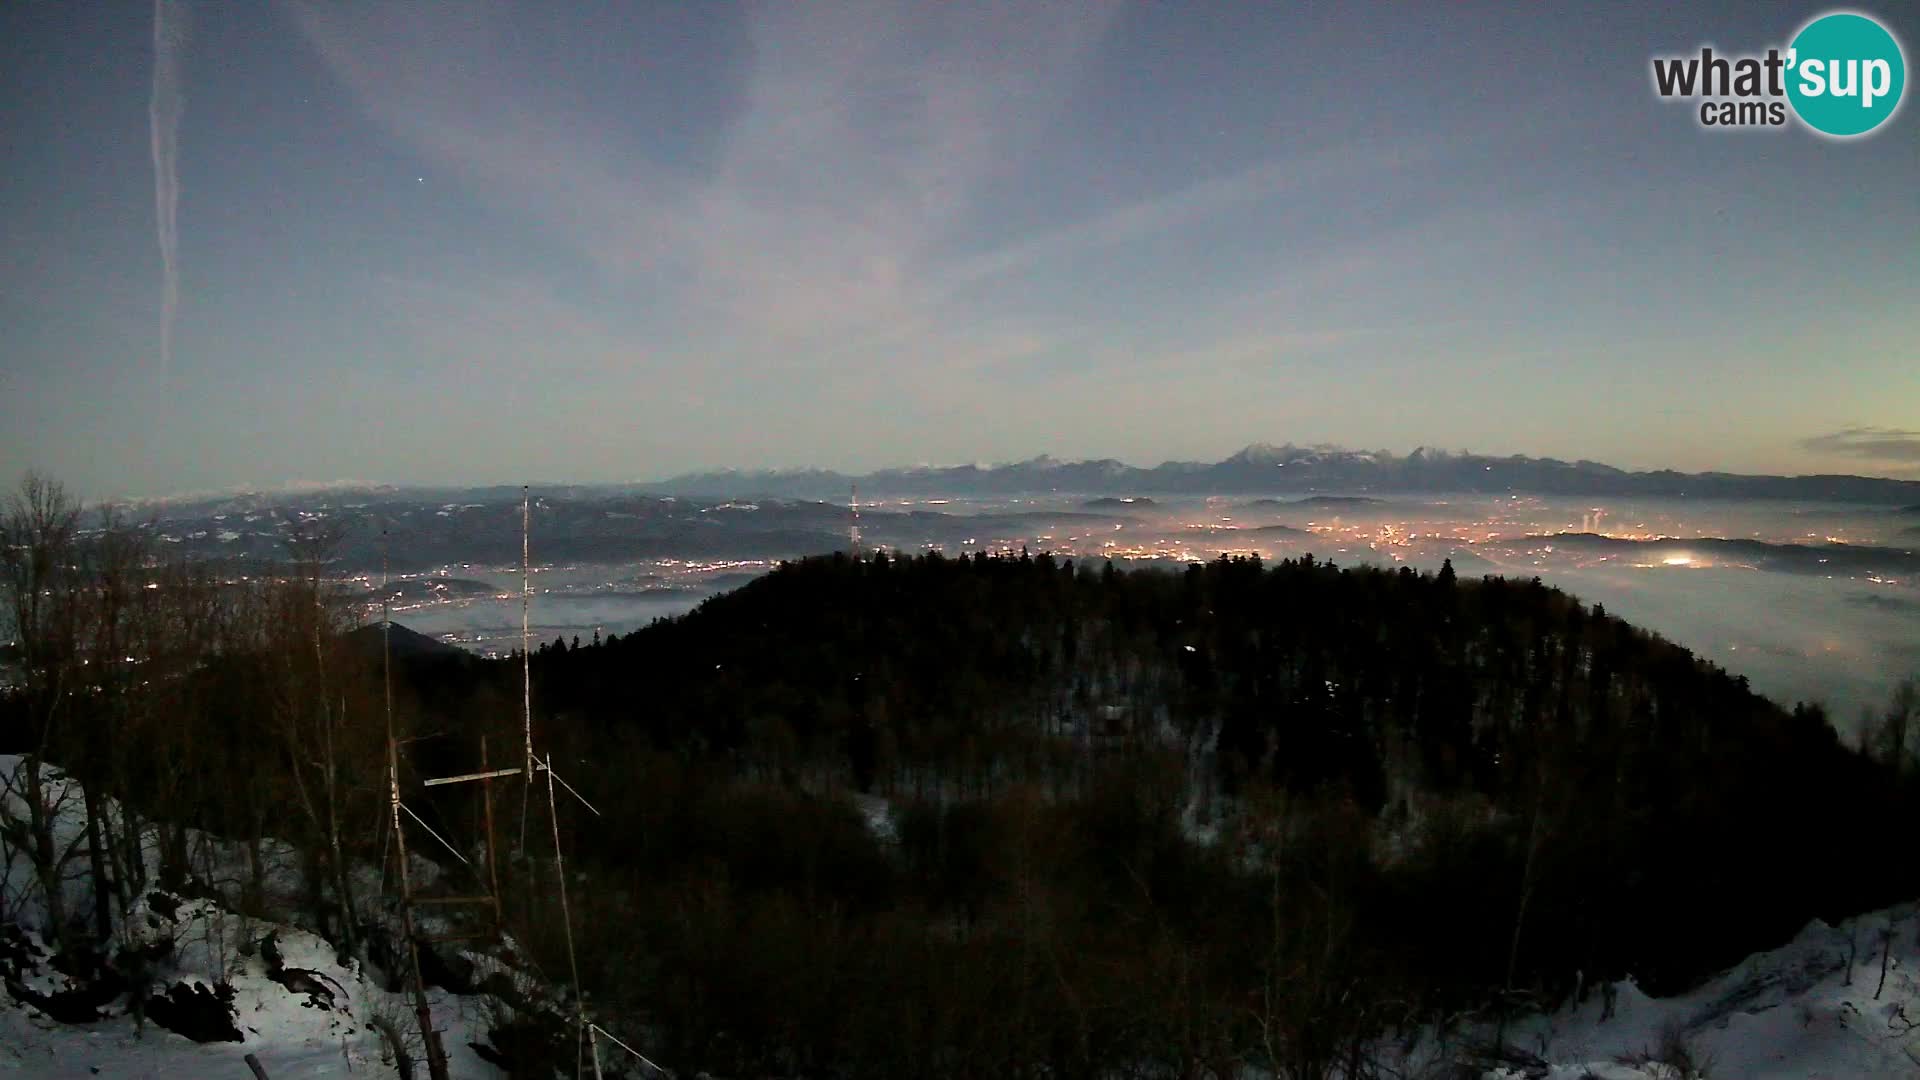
(38,553)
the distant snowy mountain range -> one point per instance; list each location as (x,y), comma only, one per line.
(1259,469)
(1262,469)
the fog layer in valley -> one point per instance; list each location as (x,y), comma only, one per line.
(1810,601)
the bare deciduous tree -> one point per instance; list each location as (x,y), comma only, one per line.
(331,759)
(37,540)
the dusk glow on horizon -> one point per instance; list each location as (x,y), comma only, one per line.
(310,242)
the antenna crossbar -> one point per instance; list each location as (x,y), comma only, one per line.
(469,777)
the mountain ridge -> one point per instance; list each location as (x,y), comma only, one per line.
(1257,469)
(1262,468)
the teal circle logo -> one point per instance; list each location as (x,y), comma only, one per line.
(1845,74)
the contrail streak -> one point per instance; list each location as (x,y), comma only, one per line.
(163,114)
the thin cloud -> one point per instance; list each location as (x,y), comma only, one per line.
(515,324)
(1201,201)
(829,231)
(164,109)
(1868,443)
(864,134)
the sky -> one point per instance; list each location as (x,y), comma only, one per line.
(490,243)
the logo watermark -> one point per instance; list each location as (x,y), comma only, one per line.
(1842,75)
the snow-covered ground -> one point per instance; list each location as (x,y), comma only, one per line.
(294,1034)
(1814,1008)
(319,1018)
(1788,1012)
(1798,1011)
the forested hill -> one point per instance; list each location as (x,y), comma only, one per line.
(1640,792)
(1308,673)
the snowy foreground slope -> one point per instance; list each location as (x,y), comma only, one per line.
(1800,1010)
(1784,1013)
(294,1004)
(1797,1011)
(293,1034)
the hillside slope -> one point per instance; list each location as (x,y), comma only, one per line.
(236,984)
(1801,1011)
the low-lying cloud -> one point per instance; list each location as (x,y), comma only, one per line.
(1868,443)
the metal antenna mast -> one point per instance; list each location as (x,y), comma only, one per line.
(589,1033)
(526,635)
(586,1034)
(526,660)
(853,530)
